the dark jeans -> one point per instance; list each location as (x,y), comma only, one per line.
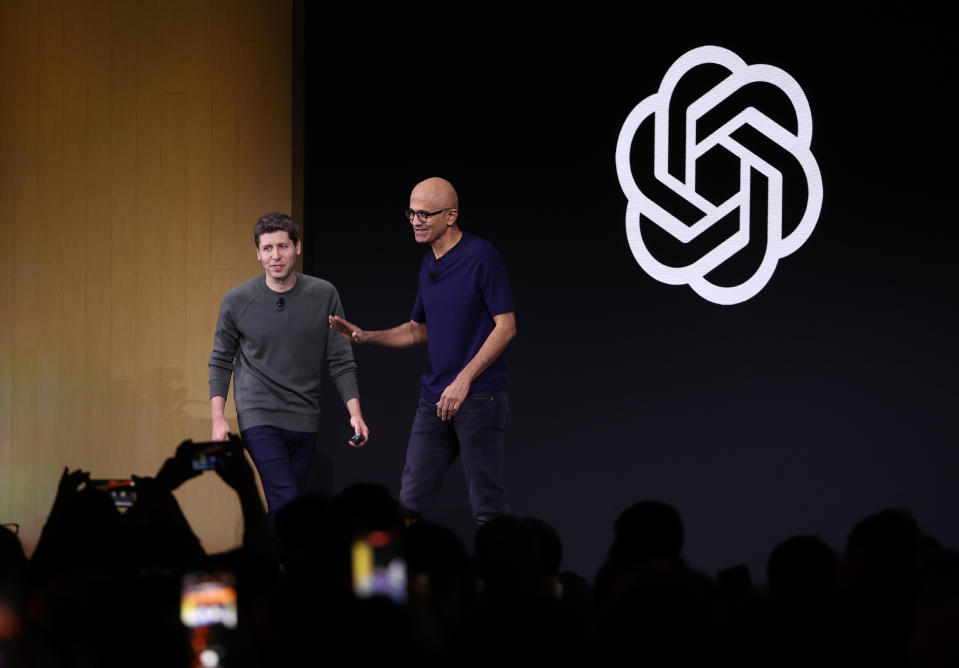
(282,459)
(475,433)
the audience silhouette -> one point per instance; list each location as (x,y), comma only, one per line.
(350,578)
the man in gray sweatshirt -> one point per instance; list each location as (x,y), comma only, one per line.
(273,338)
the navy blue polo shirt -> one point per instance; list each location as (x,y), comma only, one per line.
(458,296)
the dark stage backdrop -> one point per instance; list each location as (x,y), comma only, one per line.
(826,396)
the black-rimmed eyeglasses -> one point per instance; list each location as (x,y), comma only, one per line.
(423,216)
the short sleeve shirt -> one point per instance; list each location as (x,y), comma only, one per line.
(458,296)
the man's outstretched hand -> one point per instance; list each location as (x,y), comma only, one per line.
(348,329)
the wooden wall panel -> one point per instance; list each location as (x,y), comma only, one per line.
(7,180)
(139,143)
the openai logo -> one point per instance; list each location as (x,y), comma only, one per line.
(709,236)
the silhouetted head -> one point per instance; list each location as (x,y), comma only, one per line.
(800,566)
(364,507)
(508,557)
(550,545)
(300,525)
(12,558)
(649,530)
(436,559)
(883,545)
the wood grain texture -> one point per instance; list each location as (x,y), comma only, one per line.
(139,143)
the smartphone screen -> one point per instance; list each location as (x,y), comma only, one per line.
(209,456)
(123,492)
(207,599)
(208,608)
(378,566)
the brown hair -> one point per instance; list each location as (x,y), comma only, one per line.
(275,222)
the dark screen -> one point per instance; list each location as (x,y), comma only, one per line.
(827,396)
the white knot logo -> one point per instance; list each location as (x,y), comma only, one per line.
(752,170)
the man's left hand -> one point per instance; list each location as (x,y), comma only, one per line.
(452,398)
(359,427)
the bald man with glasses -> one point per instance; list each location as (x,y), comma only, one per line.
(464,313)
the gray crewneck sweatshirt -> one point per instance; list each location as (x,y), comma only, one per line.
(277,354)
